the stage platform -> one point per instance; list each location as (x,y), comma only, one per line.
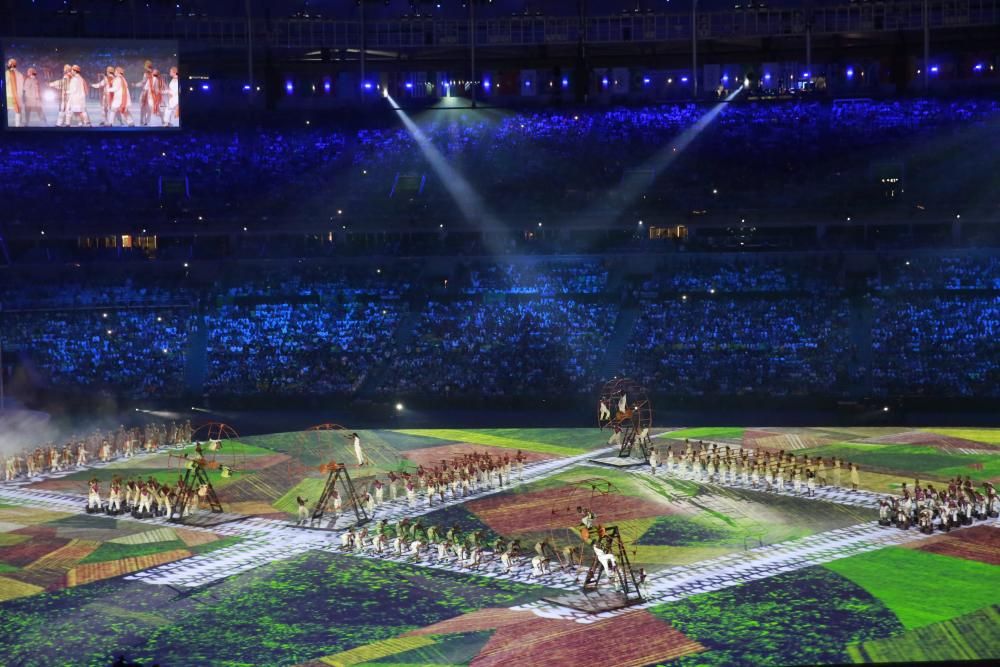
(620,462)
(594,602)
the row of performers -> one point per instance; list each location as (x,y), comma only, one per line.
(958,505)
(157,98)
(145,498)
(780,471)
(413,538)
(458,478)
(98,446)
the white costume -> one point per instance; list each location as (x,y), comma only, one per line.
(77,99)
(14,85)
(357,450)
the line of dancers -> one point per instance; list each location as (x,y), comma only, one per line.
(100,446)
(416,540)
(930,509)
(459,477)
(780,472)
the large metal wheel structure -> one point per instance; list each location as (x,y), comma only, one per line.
(625,410)
(220,445)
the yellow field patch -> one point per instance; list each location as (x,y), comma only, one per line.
(12,588)
(376,650)
(88,572)
(147,537)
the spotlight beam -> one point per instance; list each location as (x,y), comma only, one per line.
(468,200)
(667,155)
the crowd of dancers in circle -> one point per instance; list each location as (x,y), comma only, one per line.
(780,472)
(103,447)
(930,509)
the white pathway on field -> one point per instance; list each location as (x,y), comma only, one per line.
(267,540)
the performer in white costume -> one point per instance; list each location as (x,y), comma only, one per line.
(14,85)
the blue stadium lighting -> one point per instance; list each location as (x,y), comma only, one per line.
(246,87)
(368,85)
(565,82)
(604,82)
(289,87)
(527,84)
(409,86)
(934,69)
(645,80)
(725,78)
(684,79)
(326,86)
(978,67)
(767,77)
(850,72)
(805,75)
(205,86)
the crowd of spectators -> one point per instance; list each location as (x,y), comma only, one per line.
(114,174)
(935,345)
(931,272)
(474,348)
(782,346)
(579,277)
(705,325)
(559,161)
(138,353)
(684,274)
(297,348)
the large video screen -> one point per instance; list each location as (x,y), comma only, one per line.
(91,84)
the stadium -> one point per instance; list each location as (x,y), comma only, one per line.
(563,332)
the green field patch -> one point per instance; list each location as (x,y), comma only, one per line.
(4,567)
(112,551)
(912,459)
(921,587)
(10,539)
(583,439)
(970,637)
(707,433)
(806,617)
(479,438)
(309,488)
(680,531)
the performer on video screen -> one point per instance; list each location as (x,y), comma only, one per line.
(104,86)
(33,97)
(77,99)
(143,86)
(15,92)
(121,100)
(172,112)
(62,85)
